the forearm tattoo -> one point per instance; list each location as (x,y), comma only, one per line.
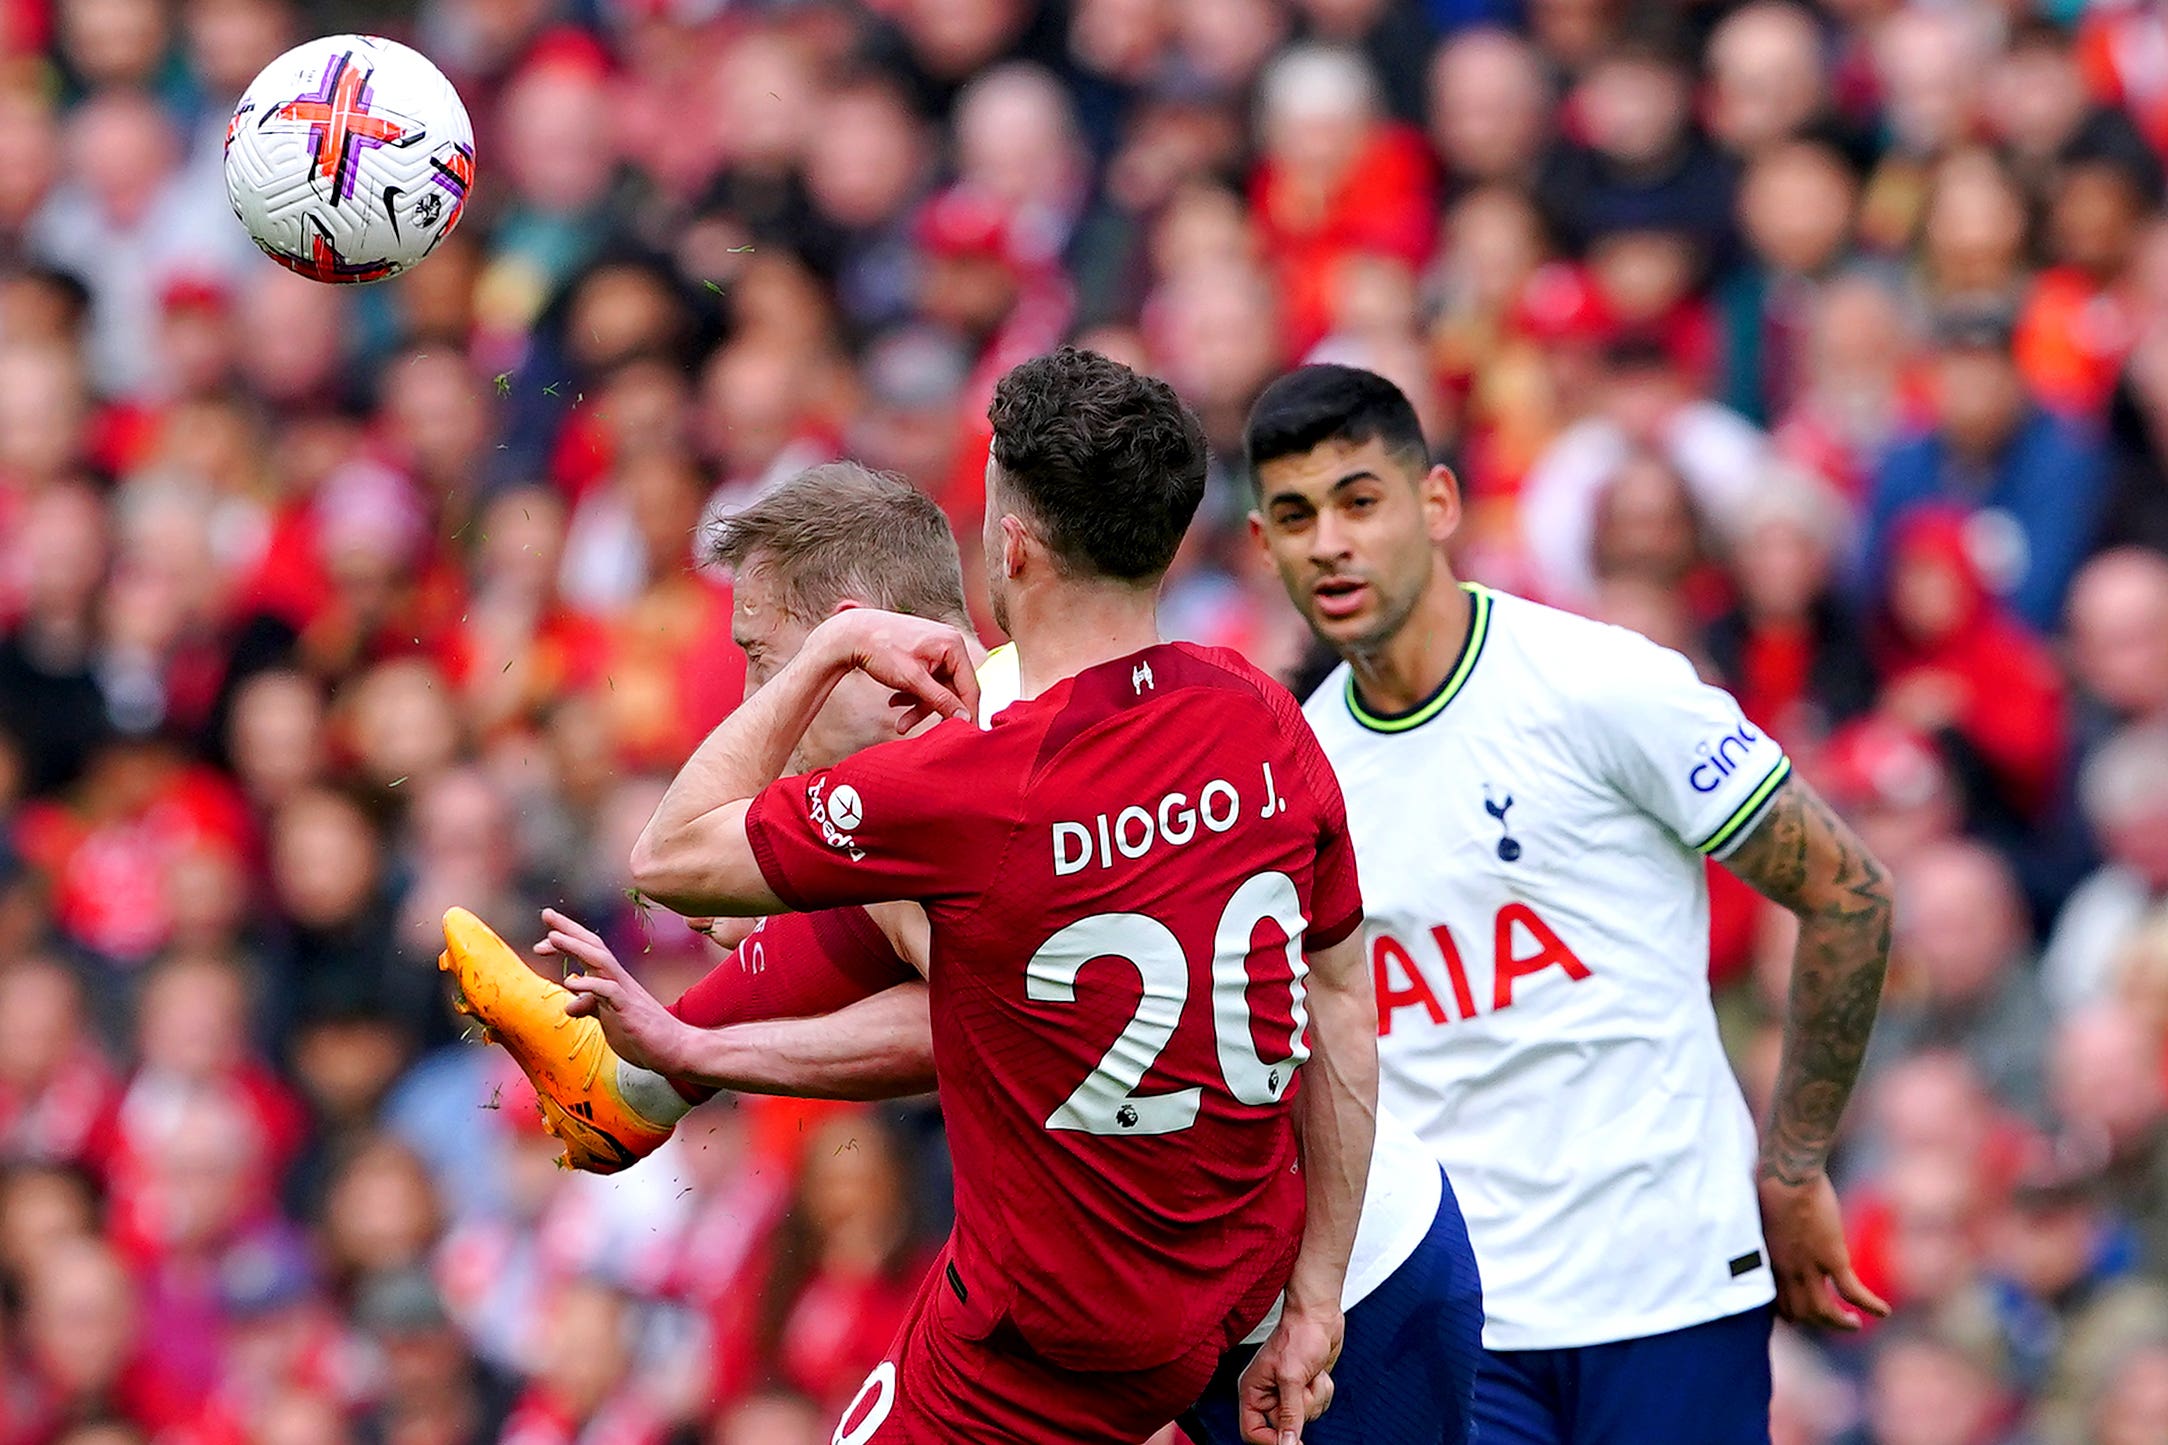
(1801,855)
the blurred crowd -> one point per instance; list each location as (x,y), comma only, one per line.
(1827,343)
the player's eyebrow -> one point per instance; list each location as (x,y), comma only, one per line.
(1300,499)
(1360,474)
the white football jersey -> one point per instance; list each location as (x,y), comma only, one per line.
(1405,1188)
(1530,841)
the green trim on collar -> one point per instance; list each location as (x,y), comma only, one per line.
(1471,648)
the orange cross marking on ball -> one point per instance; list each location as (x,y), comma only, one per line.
(340,119)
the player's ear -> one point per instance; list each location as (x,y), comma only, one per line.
(1257,534)
(1016,542)
(843,605)
(1440,492)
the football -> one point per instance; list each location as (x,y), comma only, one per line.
(349,158)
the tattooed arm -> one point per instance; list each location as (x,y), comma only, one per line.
(1800,855)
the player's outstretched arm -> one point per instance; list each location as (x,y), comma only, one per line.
(1802,856)
(1336,1117)
(877,1048)
(694,855)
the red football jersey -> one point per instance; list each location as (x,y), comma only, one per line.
(1120,876)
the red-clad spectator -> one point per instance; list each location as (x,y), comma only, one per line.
(1510,320)
(668,673)
(844,1265)
(108,850)
(1789,649)
(324,607)
(193,1052)
(761,415)
(192,1219)
(642,405)
(1647,529)
(1933,1122)
(56,1087)
(739,1196)
(1891,786)
(2081,318)
(1337,180)
(519,648)
(2118,49)
(1959,666)
(353,574)
(991,278)
(280,1332)
(583,1391)
(1861,388)
(1934,1384)
(42,1207)
(2106,1079)
(25,25)
(84,1333)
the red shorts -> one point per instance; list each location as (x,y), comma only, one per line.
(937,1388)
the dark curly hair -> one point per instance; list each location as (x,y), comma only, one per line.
(1108,463)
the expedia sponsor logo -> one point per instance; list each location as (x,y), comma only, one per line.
(1721,758)
(817,807)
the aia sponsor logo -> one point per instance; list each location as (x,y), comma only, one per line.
(1522,946)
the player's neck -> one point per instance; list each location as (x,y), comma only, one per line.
(1398,674)
(1060,633)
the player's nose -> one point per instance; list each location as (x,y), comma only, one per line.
(1329,540)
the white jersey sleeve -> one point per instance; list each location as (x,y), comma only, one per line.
(1001,682)
(1681,750)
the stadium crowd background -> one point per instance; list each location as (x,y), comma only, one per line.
(1827,344)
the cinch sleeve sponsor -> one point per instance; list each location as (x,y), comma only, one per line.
(1683,751)
(1720,843)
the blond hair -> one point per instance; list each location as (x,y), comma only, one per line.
(842,531)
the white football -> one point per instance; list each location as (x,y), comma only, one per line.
(349,158)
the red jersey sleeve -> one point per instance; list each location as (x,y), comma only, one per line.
(917,819)
(1336,898)
(796,965)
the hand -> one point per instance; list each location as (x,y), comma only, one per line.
(643,1032)
(1287,1383)
(927,663)
(1807,1252)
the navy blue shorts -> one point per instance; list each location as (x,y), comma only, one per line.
(1703,1385)
(1407,1370)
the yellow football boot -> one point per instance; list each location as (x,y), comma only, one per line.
(572,1066)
